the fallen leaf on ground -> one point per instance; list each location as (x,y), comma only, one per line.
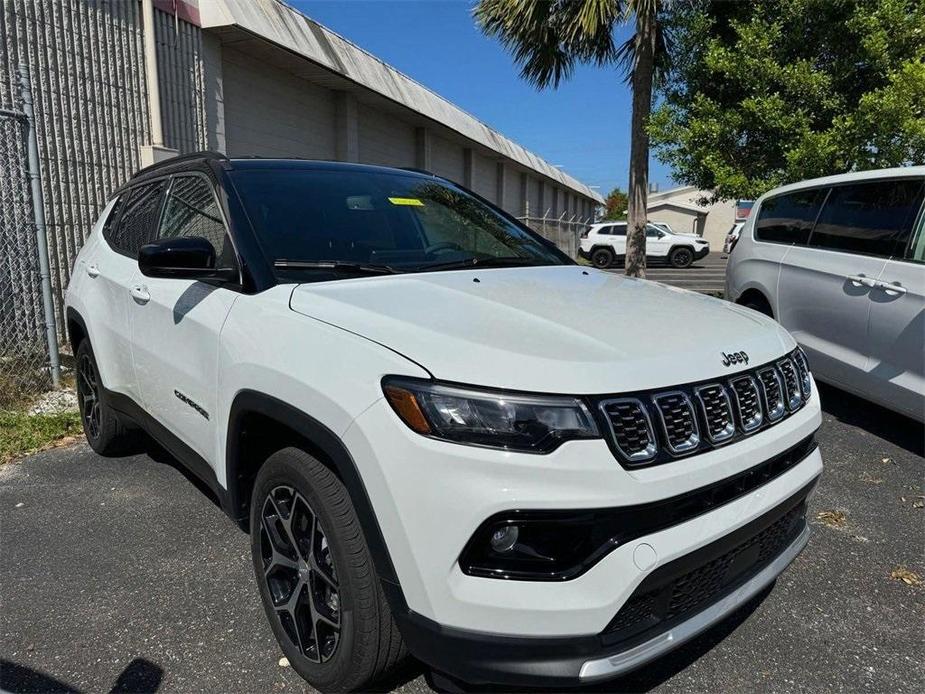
(871,480)
(832,518)
(886,460)
(910,578)
(284,662)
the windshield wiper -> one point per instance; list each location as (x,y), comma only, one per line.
(490,261)
(336,266)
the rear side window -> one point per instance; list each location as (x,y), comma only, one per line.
(873,218)
(191,210)
(139,219)
(618,230)
(789,218)
(606,231)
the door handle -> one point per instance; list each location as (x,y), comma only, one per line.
(93,270)
(861,281)
(895,289)
(140,294)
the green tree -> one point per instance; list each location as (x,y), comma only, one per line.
(768,92)
(549,37)
(615,205)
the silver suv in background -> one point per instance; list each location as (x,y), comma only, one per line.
(840,263)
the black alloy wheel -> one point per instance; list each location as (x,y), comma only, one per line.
(88,396)
(682,257)
(299,572)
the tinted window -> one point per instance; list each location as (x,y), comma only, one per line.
(405,221)
(191,210)
(618,230)
(653,232)
(789,218)
(139,218)
(873,218)
(606,231)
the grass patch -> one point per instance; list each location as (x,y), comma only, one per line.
(21,434)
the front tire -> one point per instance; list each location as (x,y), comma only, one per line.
(316,577)
(681,257)
(602,258)
(106,433)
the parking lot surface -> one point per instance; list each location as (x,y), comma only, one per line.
(121,575)
(707,275)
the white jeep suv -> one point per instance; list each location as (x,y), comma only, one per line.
(604,244)
(444,437)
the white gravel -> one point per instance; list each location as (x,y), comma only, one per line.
(55,401)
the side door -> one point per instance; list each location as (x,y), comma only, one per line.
(176,322)
(110,270)
(825,279)
(617,238)
(658,243)
(897,323)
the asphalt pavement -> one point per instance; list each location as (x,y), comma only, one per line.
(122,575)
(707,275)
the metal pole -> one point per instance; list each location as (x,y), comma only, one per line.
(154,92)
(38,212)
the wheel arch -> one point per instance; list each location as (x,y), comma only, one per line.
(260,424)
(753,294)
(76,328)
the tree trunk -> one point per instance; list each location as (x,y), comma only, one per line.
(639,140)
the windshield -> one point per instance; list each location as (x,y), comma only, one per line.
(313,224)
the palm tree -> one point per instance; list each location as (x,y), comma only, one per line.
(549,37)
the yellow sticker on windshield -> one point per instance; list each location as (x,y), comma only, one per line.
(413,202)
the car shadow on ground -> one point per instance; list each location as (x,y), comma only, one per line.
(648,676)
(140,675)
(899,430)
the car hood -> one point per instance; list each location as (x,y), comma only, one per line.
(563,329)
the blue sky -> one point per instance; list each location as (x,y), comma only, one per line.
(583,125)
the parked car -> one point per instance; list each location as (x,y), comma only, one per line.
(840,263)
(732,237)
(604,244)
(444,436)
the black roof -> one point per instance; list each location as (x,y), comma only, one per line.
(186,161)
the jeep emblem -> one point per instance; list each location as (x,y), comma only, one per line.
(734,358)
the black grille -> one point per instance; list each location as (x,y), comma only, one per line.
(791,383)
(648,428)
(747,403)
(717,412)
(631,428)
(773,391)
(678,422)
(686,586)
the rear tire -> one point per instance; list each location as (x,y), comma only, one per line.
(316,578)
(106,432)
(681,257)
(602,258)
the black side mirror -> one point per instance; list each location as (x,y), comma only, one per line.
(182,257)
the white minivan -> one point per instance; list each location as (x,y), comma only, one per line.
(840,263)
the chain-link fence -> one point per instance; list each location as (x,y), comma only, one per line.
(24,358)
(564,231)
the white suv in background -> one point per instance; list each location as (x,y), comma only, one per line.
(604,244)
(840,263)
(444,436)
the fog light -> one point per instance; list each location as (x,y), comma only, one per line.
(504,539)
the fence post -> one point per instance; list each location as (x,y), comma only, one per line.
(38,212)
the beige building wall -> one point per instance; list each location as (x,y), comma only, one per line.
(679,208)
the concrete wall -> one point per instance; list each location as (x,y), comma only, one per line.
(272,113)
(447,159)
(385,139)
(718,221)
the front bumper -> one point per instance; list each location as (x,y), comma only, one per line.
(701,253)
(430,496)
(479,658)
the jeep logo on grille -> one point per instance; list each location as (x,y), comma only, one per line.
(734,358)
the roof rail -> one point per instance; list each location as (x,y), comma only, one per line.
(414,169)
(205,154)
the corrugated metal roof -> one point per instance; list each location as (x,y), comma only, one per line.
(285,26)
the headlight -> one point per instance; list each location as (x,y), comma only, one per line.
(533,424)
